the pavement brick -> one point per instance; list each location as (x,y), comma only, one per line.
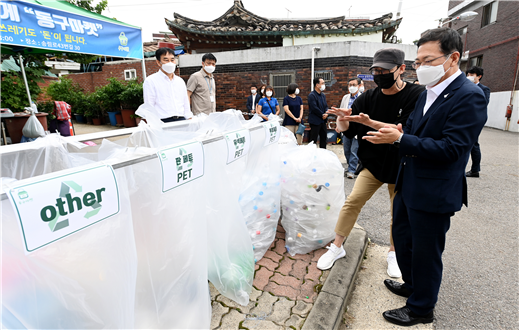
(280,228)
(231,321)
(255,293)
(262,278)
(307,290)
(313,272)
(213,291)
(268,263)
(265,305)
(232,304)
(286,280)
(216,316)
(280,235)
(273,255)
(302,308)
(281,311)
(280,247)
(294,321)
(260,324)
(280,290)
(299,269)
(256,267)
(285,266)
(318,254)
(304,257)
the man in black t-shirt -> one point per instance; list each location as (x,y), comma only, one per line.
(390,103)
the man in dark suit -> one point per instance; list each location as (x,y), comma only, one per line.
(475,74)
(252,101)
(317,115)
(431,184)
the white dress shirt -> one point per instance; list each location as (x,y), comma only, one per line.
(168,97)
(434,92)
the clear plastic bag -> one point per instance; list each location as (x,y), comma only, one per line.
(312,195)
(33,128)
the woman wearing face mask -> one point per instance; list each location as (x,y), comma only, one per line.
(261,94)
(268,104)
(293,106)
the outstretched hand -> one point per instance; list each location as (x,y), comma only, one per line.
(339,112)
(362,118)
(387,134)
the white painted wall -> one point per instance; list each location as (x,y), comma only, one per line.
(297,52)
(497,110)
(331,38)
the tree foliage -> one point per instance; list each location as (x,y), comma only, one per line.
(14,94)
(87,4)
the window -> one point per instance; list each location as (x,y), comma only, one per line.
(280,82)
(489,14)
(476,61)
(462,31)
(325,75)
(130,74)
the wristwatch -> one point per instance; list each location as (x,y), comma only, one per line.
(397,142)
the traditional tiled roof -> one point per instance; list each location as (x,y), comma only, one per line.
(239,22)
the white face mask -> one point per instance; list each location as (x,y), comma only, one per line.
(262,91)
(253,91)
(430,75)
(269,93)
(361,89)
(322,87)
(353,89)
(169,67)
(471,79)
(209,69)
(297,91)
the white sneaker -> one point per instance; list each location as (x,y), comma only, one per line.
(326,261)
(350,175)
(392,266)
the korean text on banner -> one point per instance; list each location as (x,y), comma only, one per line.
(181,164)
(272,132)
(31,25)
(49,209)
(238,144)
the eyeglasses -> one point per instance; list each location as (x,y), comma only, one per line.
(415,64)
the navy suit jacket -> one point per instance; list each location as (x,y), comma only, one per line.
(486,91)
(435,148)
(317,106)
(249,102)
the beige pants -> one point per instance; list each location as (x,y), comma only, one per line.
(293,129)
(365,186)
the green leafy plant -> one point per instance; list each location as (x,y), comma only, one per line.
(14,94)
(109,96)
(132,97)
(92,106)
(46,107)
(70,92)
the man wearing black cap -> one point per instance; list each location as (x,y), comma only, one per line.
(390,103)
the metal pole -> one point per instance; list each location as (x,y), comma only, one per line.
(143,65)
(312,77)
(25,79)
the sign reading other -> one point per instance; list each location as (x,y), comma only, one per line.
(181,164)
(272,132)
(238,144)
(50,209)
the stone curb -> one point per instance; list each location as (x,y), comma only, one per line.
(329,306)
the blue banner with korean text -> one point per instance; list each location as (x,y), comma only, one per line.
(30,25)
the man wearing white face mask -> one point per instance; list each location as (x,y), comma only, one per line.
(201,87)
(351,146)
(165,91)
(431,186)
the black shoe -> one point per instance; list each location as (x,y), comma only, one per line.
(472,174)
(405,317)
(397,288)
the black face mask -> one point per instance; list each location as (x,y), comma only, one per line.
(384,81)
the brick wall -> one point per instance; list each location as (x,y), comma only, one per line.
(43,85)
(499,61)
(89,81)
(233,81)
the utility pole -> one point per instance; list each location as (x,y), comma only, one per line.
(288,12)
(349,11)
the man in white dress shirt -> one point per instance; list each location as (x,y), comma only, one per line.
(165,91)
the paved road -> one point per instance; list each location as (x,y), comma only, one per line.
(480,288)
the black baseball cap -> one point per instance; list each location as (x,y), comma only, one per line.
(388,58)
